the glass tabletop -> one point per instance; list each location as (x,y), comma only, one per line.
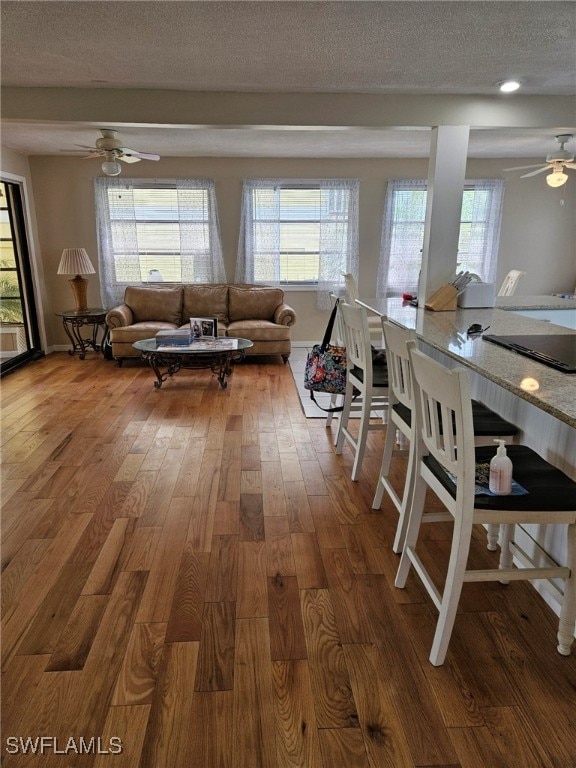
(204,347)
(82,312)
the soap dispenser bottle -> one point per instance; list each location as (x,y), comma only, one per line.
(500,482)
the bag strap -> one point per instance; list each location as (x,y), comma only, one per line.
(337,409)
(329,327)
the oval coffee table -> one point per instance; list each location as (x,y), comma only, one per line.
(219,355)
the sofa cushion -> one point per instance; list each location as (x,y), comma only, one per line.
(157,304)
(139,331)
(206,301)
(258,330)
(253,303)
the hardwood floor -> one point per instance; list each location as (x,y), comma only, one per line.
(192,571)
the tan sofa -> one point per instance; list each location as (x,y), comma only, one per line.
(250,312)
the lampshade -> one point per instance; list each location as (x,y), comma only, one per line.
(556,179)
(75,261)
(111,168)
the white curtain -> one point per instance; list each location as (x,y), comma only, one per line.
(403,232)
(126,229)
(259,246)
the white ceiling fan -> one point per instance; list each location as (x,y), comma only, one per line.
(110,148)
(555,161)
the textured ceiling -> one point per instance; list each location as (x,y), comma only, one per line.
(374,47)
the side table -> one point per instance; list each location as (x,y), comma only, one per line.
(74,319)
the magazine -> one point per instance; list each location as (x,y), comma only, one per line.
(219,344)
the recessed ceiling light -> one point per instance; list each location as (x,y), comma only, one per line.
(509,86)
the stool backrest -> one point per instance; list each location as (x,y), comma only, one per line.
(444,418)
(351,287)
(510,283)
(399,371)
(356,338)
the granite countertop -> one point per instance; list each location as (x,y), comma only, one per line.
(544,387)
(534,302)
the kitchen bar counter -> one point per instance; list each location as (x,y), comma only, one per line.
(538,399)
(534,302)
(546,388)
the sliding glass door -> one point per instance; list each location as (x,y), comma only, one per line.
(19,337)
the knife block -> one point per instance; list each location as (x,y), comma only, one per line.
(443,300)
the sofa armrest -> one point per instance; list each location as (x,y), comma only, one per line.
(119,316)
(284,315)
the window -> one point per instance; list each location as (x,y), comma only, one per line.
(299,233)
(403,233)
(19,332)
(151,232)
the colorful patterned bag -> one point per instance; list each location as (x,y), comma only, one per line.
(326,366)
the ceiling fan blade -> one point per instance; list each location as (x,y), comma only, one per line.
(129,158)
(535,173)
(147,156)
(83,146)
(141,155)
(524,167)
(570,165)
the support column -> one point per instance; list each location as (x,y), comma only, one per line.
(446,175)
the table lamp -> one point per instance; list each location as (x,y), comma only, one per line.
(75,261)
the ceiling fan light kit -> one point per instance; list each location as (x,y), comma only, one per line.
(556,179)
(110,148)
(556,162)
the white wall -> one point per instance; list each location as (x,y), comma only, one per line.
(538,232)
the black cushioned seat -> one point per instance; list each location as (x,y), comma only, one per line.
(486,422)
(548,487)
(379,375)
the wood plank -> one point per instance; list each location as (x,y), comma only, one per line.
(156,602)
(105,570)
(298,508)
(308,561)
(343,746)
(349,609)
(384,737)
(73,646)
(285,619)
(55,610)
(185,621)
(273,499)
(335,706)
(212,717)
(215,667)
(297,742)
(222,570)
(253,734)
(129,725)
(137,676)
(252,595)
(251,517)
(327,530)
(167,743)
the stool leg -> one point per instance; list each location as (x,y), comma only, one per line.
(492,536)
(568,610)
(385,466)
